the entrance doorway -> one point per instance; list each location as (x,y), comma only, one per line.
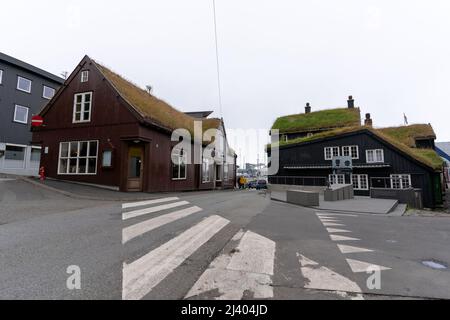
(135,168)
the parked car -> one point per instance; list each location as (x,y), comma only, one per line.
(261,184)
(252,184)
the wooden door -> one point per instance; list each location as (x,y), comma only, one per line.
(135,168)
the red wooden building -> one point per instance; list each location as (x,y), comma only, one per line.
(102,129)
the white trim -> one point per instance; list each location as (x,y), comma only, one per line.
(82,110)
(84,76)
(183,159)
(358,182)
(23,90)
(401,178)
(15,113)
(374,154)
(43,92)
(87,157)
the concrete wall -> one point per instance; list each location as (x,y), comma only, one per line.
(411,197)
(285,187)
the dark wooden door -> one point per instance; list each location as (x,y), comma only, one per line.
(135,168)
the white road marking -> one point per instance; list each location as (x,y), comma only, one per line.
(332,224)
(349,249)
(249,268)
(139,229)
(142,275)
(147,202)
(322,278)
(329,220)
(336,237)
(337,214)
(361,266)
(6,179)
(333,230)
(137,213)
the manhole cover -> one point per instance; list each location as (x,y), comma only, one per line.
(434,264)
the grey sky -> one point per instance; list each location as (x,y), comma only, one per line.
(392,56)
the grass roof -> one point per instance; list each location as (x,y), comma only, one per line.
(151,108)
(399,137)
(323,119)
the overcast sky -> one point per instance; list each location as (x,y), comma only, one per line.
(392,56)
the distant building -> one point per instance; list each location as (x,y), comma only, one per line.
(388,158)
(443,150)
(24,90)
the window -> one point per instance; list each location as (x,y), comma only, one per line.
(179,166)
(218,173)
(400,181)
(225,172)
(337,179)
(79,157)
(331,152)
(205,171)
(374,156)
(351,151)
(82,107)
(35,154)
(360,181)
(84,76)
(23,84)
(48,92)
(21,114)
(1,76)
(13,152)
(107,159)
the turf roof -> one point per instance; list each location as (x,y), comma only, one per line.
(323,119)
(400,137)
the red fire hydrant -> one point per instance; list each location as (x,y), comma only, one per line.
(42,173)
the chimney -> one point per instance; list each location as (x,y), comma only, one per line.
(351,102)
(368,121)
(308,108)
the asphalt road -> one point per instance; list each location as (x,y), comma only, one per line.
(212,245)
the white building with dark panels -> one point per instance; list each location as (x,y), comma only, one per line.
(24,91)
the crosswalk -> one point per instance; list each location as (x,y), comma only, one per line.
(245,265)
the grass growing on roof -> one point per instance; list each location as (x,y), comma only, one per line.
(407,134)
(319,119)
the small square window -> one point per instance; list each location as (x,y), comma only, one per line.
(84,76)
(21,114)
(23,84)
(48,92)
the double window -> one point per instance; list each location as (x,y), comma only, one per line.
(21,114)
(375,156)
(337,179)
(351,151)
(78,157)
(360,181)
(179,164)
(82,107)
(48,92)
(331,152)
(400,181)
(23,84)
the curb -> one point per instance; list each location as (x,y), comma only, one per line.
(77,196)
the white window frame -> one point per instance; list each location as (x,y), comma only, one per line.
(19,146)
(15,113)
(400,179)
(336,178)
(87,157)
(374,156)
(43,92)
(182,159)
(84,76)
(348,151)
(359,179)
(1,76)
(23,90)
(206,171)
(330,152)
(82,110)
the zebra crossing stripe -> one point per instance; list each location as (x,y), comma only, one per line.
(137,213)
(248,268)
(139,229)
(336,237)
(148,202)
(334,230)
(350,249)
(142,275)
